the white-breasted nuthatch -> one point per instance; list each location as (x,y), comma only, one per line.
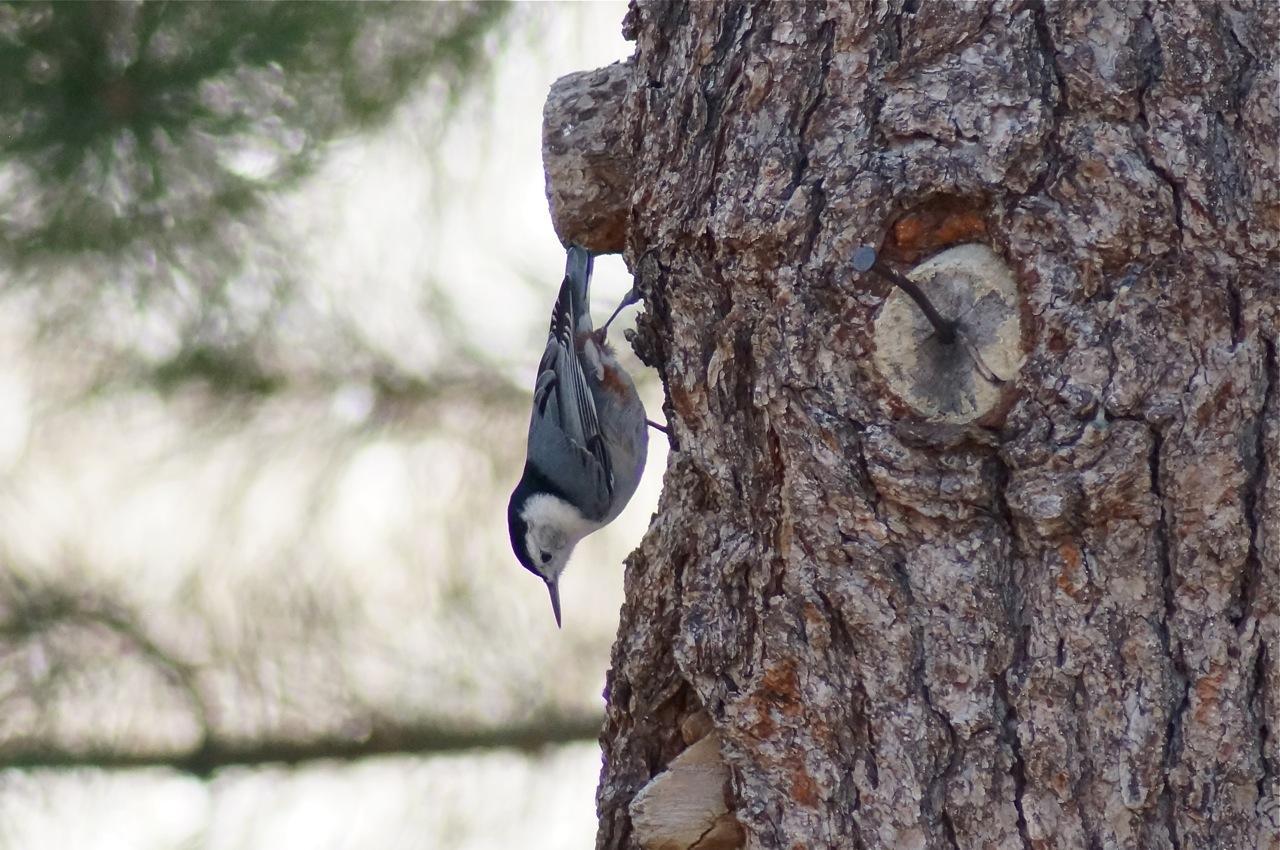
(587,436)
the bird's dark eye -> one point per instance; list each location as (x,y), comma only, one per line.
(546,556)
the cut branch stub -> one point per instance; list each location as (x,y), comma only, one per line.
(969,378)
(684,808)
(587,158)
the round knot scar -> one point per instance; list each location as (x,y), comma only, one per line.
(969,378)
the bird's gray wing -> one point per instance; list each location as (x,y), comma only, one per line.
(565,442)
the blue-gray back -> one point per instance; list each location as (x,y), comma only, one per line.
(565,443)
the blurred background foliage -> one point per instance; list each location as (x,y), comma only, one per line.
(272,281)
(145,125)
(141,141)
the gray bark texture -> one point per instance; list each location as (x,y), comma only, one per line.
(1056,626)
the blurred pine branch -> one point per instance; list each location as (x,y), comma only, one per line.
(380,740)
(155,122)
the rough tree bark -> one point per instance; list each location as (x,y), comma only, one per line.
(1054,625)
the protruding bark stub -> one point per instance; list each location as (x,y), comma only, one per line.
(683,808)
(587,157)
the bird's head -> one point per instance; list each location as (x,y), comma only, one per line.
(544,529)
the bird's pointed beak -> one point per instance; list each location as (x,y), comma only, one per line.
(554,589)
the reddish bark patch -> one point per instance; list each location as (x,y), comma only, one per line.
(1060,782)
(778,695)
(938,223)
(1071,579)
(1070,555)
(686,406)
(781,688)
(804,790)
(1207,691)
(813,618)
(763,727)
(1225,394)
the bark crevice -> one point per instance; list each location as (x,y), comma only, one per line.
(1019,633)
(1259,471)
(1018,768)
(1255,496)
(1145,146)
(1257,705)
(716,92)
(1053,90)
(1171,647)
(937,786)
(818,198)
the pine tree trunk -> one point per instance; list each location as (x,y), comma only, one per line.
(1050,622)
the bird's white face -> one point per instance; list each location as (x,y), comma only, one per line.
(549,548)
(553,528)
